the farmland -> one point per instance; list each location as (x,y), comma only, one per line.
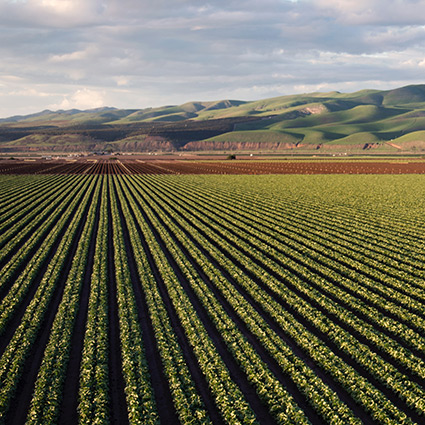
(147,292)
(175,166)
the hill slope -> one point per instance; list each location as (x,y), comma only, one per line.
(391,120)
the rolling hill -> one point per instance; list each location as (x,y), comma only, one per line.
(388,121)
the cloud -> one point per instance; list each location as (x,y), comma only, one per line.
(80,55)
(82,99)
(122,81)
(51,13)
(382,12)
(137,53)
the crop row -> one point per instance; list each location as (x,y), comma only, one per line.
(185,299)
(13,358)
(310,385)
(304,310)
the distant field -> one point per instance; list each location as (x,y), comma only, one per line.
(153,298)
(166,166)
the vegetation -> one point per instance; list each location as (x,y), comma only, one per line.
(170,299)
(391,120)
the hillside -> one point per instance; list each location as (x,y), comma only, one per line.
(368,120)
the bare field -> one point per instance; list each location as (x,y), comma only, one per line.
(175,166)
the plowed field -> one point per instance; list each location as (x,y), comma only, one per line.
(212,167)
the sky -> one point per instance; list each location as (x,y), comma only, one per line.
(64,54)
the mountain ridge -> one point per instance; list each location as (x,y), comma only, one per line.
(378,120)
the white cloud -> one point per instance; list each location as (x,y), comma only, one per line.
(51,13)
(122,81)
(10,79)
(28,92)
(82,99)
(58,6)
(79,55)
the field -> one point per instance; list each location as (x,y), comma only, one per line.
(175,166)
(133,295)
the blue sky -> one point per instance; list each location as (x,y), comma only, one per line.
(62,54)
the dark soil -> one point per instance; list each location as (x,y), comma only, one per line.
(180,166)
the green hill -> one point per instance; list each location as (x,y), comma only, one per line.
(388,119)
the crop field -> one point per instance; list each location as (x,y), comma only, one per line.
(130,298)
(130,167)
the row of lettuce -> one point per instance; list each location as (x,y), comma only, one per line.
(323,320)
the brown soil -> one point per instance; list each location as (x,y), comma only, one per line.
(169,166)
